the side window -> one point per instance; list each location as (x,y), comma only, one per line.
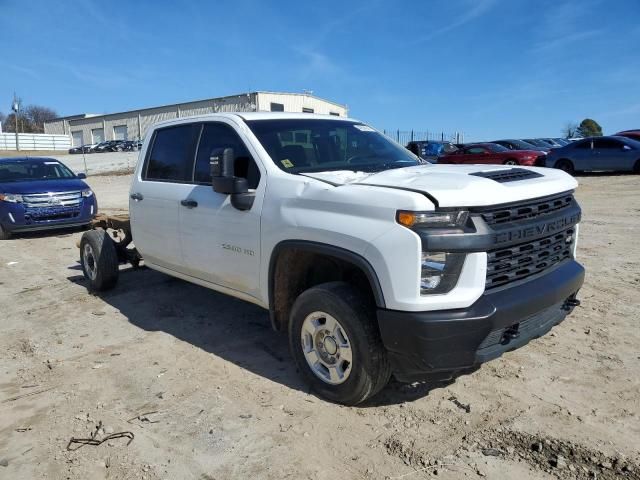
(171,156)
(607,143)
(220,136)
(583,145)
(475,150)
(277,107)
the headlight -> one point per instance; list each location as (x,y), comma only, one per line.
(440,272)
(445,219)
(10,197)
(87,193)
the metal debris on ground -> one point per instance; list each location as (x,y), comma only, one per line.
(93,440)
(463,406)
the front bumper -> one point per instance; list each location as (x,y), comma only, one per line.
(14,217)
(440,344)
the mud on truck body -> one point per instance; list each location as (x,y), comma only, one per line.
(373,263)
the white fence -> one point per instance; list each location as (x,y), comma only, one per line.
(35,141)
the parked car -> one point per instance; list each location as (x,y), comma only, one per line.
(83,149)
(553,142)
(430,150)
(520,145)
(614,153)
(562,141)
(131,145)
(493,154)
(373,264)
(538,142)
(110,146)
(40,193)
(632,134)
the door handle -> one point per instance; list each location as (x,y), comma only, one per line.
(136,196)
(188,203)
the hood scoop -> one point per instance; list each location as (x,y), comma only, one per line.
(504,176)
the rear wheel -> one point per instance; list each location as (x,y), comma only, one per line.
(565,166)
(336,344)
(99,260)
(4,234)
(511,161)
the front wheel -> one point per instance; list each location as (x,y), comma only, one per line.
(99,260)
(565,166)
(336,344)
(511,162)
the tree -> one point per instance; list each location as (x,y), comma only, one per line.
(30,119)
(589,128)
(570,130)
(37,115)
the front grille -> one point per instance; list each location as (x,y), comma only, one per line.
(510,264)
(52,213)
(526,211)
(54,199)
(510,175)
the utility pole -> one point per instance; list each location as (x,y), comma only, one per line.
(15,106)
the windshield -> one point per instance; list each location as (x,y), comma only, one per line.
(302,146)
(36,170)
(494,147)
(522,145)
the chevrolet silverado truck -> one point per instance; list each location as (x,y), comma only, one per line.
(373,263)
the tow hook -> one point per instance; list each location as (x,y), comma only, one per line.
(510,333)
(570,303)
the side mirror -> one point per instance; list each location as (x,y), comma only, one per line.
(81,176)
(223,179)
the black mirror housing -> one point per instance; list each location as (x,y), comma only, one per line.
(223,179)
(81,176)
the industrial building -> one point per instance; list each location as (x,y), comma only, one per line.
(87,128)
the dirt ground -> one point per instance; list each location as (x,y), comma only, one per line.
(208,391)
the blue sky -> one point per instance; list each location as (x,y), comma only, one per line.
(490,68)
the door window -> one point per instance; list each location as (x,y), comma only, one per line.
(171,156)
(607,143)
(583,145)
(474,150)
(217,136)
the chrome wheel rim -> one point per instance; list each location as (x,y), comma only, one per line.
(510,162)
(326,347)
(89,261)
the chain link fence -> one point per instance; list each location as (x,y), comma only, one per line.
(405,136)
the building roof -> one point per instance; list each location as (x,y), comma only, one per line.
(88,115)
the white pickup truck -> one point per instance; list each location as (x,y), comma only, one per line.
(375,264)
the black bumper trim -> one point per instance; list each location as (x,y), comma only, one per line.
(422,343)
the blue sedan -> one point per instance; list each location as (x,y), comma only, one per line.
(42,193)
(612,153)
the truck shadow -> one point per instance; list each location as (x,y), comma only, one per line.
(231,329)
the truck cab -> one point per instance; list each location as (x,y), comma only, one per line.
(372,262)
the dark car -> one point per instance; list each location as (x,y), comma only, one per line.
(83,149)
(513,144)
(539,142)
(430,150)
(109,146)
(612,153)
(632,134)
(41,193)
(493,154)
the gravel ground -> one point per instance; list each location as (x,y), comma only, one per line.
(208,391)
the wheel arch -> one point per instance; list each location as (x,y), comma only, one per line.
(308,259)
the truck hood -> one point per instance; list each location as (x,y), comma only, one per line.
(462,185)
(43,186)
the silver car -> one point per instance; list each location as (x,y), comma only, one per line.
(597,154)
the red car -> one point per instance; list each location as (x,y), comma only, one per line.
(632,134)
(492,153)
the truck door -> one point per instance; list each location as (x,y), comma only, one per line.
(221,244)
(156,193)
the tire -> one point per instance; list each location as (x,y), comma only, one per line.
(566,166)
(367,372)
(4,234)
(99,260)
(511,161)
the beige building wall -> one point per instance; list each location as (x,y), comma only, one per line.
(137,122)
